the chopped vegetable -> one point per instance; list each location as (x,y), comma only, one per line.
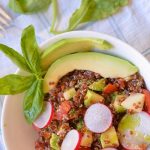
(69,93)
(110,88)
(117,103)
(134,103)
(87,139)
(92,97)
(147,100)
(63,110)
(71,141)
(98,118)
(80,125)
(98,85)
(109,138)
(54,142)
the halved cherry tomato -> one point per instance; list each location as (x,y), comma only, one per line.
(63,109)
(110,88)
(147,100)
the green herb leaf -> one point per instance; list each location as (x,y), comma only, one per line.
(55,13)
(15,57)
(30,49)
(14,84)
(29,6)
(101,9)
(79,14)
(33,101)
(92,10)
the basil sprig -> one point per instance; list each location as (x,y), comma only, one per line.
(31,83)
(91,10)
(29,6)
(33,101)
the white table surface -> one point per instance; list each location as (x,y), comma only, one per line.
(131,25)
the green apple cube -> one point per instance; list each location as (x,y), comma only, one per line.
(98,85)
(92,97)
(134,103)
(69,94)
(117,104)
(109,138)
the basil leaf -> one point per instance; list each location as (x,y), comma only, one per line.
(15,57)
(33,101)
(14,84)
(30,49)
(29,6)
(92,10)
(79,14)
(101,9)
(55,13)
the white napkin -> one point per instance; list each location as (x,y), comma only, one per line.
(131,25)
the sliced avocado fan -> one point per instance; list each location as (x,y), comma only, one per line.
(72,45)
(106,65)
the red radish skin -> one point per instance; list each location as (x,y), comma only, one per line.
(70,137)
(91,120)
(35,127)
(37,122)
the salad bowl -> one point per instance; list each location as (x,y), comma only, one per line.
(17,133)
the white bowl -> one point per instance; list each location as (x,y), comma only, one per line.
(17,133)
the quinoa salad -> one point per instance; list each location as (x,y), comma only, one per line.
(75,94)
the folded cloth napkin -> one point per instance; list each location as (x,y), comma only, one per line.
(131,25)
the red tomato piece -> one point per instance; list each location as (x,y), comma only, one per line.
(147,100)
(110,88)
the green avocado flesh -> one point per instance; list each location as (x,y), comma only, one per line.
(54,142)
(98,85)
(117,104)
(92,98)
(106,65)
(68,46)
(109,138)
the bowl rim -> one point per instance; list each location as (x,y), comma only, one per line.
(55,38)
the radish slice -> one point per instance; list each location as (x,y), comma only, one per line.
(71,141)
(45,118)
(98,118)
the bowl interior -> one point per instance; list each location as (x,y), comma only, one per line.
(17,133)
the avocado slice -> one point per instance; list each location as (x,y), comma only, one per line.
(117,103)
(98,85)
(72,45)
(109,138)
(54,140)
(106,65)
(92,97)
(134,103)
(68,94)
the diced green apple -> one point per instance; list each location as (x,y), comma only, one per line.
(92,97)
(134,103)
(69,93)
(109,138)
(87,139)
(117,103)
(98,85)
